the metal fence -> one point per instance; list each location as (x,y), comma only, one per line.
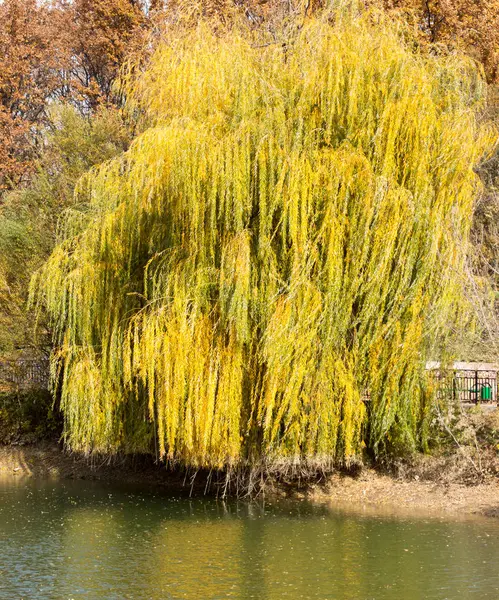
(467,383)
(24,373)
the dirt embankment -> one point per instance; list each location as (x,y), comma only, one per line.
(369,490)
(376,492)
(47,460)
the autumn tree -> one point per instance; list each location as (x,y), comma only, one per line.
(52,51)
(102,33)
(287,234)
(31,55)
(466,24)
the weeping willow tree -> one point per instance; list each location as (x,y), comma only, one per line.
(265,271)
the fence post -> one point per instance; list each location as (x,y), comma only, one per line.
(477,393)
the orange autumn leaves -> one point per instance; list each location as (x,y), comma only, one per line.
(56,52)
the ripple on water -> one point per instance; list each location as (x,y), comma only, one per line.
(89,540)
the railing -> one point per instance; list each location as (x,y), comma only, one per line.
(469,383)
(24,373)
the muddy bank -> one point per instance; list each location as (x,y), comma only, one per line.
(372,491)
(368,491)
(49,461)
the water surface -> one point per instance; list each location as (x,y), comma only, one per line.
(81,539)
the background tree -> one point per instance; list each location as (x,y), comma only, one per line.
(101,35)
(52,52)
(31,57)
(464,24)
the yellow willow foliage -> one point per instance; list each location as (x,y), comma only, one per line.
(283,239)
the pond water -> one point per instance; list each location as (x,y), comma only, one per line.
(88,540)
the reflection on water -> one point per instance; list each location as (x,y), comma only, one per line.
(87,540)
